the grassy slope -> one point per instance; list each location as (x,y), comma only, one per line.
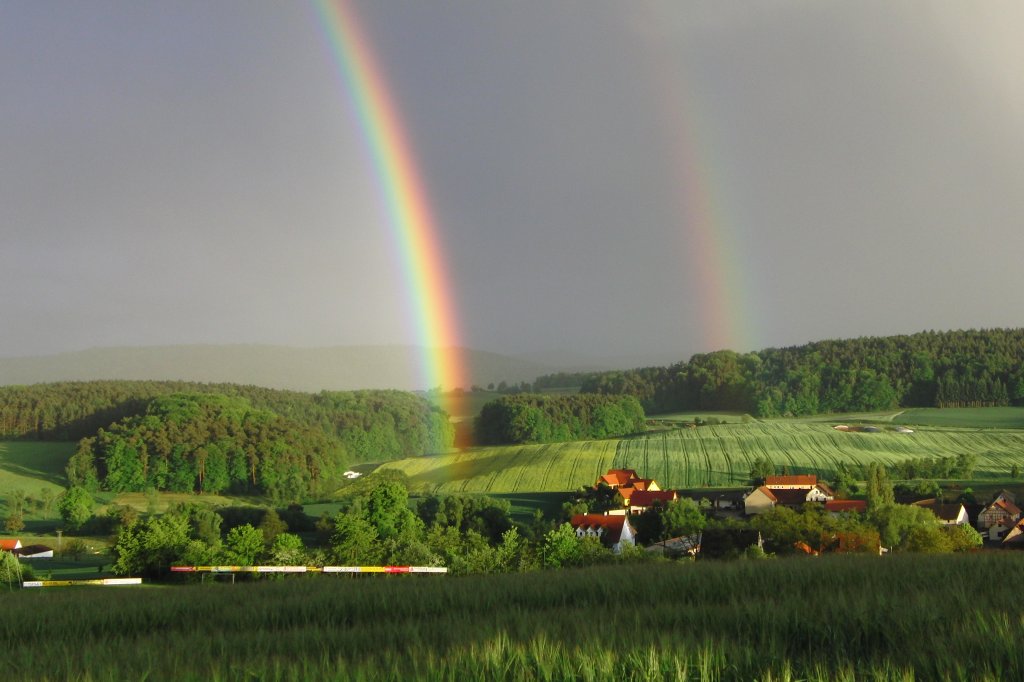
(711,455)
(33,466)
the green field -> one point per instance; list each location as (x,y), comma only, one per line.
(980,417)
(33,466)
(905,617)
(718,455)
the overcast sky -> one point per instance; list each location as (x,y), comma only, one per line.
(642,180)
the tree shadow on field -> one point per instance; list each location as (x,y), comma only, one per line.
(465,466)
(32,460)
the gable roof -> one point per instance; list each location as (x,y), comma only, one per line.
(646,498)
(859,506)
(612,524)
(803,480)
(619,477)
(764,491)
(945,512)
(9,545)
(1007,506)
(824,487)
(32,550)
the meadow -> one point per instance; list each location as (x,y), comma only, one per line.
(831,618)
(33,466)
(716,455)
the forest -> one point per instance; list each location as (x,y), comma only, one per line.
(534,418)
(974,368)
(187,437)
(209,443)
(371,425)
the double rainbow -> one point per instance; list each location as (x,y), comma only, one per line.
(412,224)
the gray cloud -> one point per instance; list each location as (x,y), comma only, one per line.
(187,172)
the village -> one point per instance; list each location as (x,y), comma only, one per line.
(997,524)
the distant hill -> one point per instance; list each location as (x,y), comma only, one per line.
(340,368)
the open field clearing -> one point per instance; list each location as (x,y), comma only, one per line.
(719,455)
(744,620)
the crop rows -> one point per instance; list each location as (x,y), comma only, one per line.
(720,455)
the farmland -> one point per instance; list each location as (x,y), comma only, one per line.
(667,621)
(718,455)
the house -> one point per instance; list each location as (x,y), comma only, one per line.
(34,552)
(759,500)
(613,530)
(789,491)
(792,482)
(999,516)
(837,507)
(953,514)
(642,500)
(9,545)
(616,478)
(814,490)
(1015,537)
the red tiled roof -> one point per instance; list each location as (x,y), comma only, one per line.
(9,545)
(645,498)
(612,524)
(1008,506)
(769,494)
(859,506)
(825,489)
(808,480)
(619,477)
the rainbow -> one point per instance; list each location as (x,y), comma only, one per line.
(412,224)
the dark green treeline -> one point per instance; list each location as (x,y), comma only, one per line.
(182,436)
(976,368)
(533,418)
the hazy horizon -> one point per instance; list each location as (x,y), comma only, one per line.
(647,181)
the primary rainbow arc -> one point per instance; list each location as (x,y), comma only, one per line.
(411,220)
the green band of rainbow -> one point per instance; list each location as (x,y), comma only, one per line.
(412,224)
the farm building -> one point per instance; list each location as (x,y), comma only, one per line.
(613,530)
(954,514)
(789,491)
(642,500)
(616,478)
(1015,538)
(999,516)
(34,552)
(8,545)
(759,501)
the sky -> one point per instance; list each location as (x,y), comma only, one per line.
(639,181)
